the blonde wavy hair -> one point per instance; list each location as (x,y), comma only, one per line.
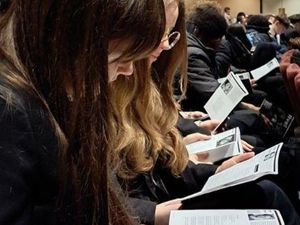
(145,115)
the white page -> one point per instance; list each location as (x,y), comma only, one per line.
(265,69)
(262,164)
(220,146)
(225,217)
(225,98)
(240,83)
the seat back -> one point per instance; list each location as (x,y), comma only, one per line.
(289,72)
(293,80)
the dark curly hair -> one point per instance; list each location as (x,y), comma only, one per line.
(207,22)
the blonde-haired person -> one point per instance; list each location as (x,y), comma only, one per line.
(55,105)
(150,158)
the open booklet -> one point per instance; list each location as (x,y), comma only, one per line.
(257,73)
(220,146)
(265,69)
(245,78)
(225,98)
(226,217)
(264,163)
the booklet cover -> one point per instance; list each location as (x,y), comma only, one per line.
(264,163)
(220,146)
(281,121)
(245,78)
(225,98)
(226,217)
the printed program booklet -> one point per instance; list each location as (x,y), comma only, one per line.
(226,217)
(264,163)
(227,96)
(220,146)
(245,78)
(264,70)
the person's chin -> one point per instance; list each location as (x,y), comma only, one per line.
(112,79)
(152,59)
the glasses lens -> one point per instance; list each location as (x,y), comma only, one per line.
(173,39)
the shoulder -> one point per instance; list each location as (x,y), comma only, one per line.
(27,139)
(196,49)
(19,109)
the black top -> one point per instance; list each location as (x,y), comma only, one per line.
(159,185)
(28,160)
(202,74)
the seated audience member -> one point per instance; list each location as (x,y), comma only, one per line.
(258,28)
(55,108)
(150,157)
(294,29)
(227,15)
(241,18)
(295,21)
(261,30)
(279,26)
(273,83)
(264,49)
(207,27)
(277,30)
(239,31)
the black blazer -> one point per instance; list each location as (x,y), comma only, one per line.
(187,126)
(28,160)
(159,185)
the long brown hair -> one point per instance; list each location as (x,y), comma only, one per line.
(145,117)
(62,45)
(174,61)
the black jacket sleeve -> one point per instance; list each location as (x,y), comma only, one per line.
(187,126)
(200,77)
(26,177)
(223,58)
(196,175)
(143,209)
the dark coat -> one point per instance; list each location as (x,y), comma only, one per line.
(149,189)
(187,126)
(28,155)
(256,36)
(202,74)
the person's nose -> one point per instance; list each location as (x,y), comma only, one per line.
(126,69)
(165,45)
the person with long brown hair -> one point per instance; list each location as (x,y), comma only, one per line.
(56,60)
(150,158)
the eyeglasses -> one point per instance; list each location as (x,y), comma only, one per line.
(172,39)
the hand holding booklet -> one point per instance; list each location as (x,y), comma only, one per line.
(264,163)
(220,146)
(226,217)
